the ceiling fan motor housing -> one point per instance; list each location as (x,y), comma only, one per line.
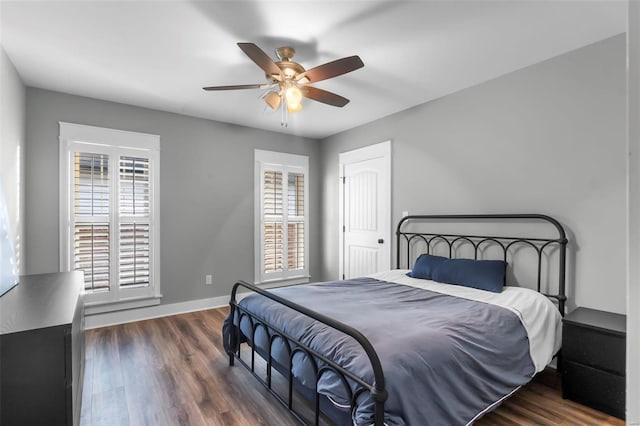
(289,68)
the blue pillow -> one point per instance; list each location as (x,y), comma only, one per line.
(481,274)
(425,265)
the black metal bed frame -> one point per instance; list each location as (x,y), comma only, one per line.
(321,364)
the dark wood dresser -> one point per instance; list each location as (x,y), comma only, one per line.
(42,350)
(593,360)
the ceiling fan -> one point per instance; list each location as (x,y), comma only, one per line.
(288,81)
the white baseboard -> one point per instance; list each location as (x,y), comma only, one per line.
(157,311)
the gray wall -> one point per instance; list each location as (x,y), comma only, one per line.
(206,189)
(549,138)
(633,286)
(12,137)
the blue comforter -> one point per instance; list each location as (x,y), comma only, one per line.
(445,359)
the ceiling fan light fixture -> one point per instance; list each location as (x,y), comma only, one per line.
(293,96)
(273,100)
(294,108)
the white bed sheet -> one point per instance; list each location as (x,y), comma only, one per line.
(539,316)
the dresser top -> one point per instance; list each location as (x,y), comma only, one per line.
(40,301)
(601,320)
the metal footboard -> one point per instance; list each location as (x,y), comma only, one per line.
(320,363)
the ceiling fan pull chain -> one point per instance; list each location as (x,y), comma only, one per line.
(283,121)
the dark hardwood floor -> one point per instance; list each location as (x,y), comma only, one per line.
(173,371)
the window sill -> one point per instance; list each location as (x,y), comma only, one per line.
(104,307)
(283,282)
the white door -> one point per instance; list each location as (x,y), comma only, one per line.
(366,211)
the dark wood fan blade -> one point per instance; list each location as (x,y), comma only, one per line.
(334,68)
(261,59)
(324,96)
(236,87)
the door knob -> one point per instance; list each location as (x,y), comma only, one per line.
(380,241)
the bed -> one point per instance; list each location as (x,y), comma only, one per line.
(398,350)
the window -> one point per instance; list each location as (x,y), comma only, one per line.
(109,213)
(282,214)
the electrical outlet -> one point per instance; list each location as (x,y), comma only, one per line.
(208,279)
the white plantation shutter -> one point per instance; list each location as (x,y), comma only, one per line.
(273,241)
(296,220)
(295,246)
(273,221)
(134,254)
(91,184)
(134,187)
(272,196)
(281,216)
(91,252)
(134,221)
(109,223)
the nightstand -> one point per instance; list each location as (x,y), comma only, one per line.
(593,360)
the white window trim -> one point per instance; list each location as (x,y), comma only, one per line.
(279,161)
(113,142)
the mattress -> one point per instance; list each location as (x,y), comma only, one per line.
(449,353)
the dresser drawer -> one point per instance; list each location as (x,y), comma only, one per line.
(596,388)
(597,349)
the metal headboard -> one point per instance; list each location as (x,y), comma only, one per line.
(478,242)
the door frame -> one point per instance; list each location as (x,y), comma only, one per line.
(379,150)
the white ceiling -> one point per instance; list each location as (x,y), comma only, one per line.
(159,54)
